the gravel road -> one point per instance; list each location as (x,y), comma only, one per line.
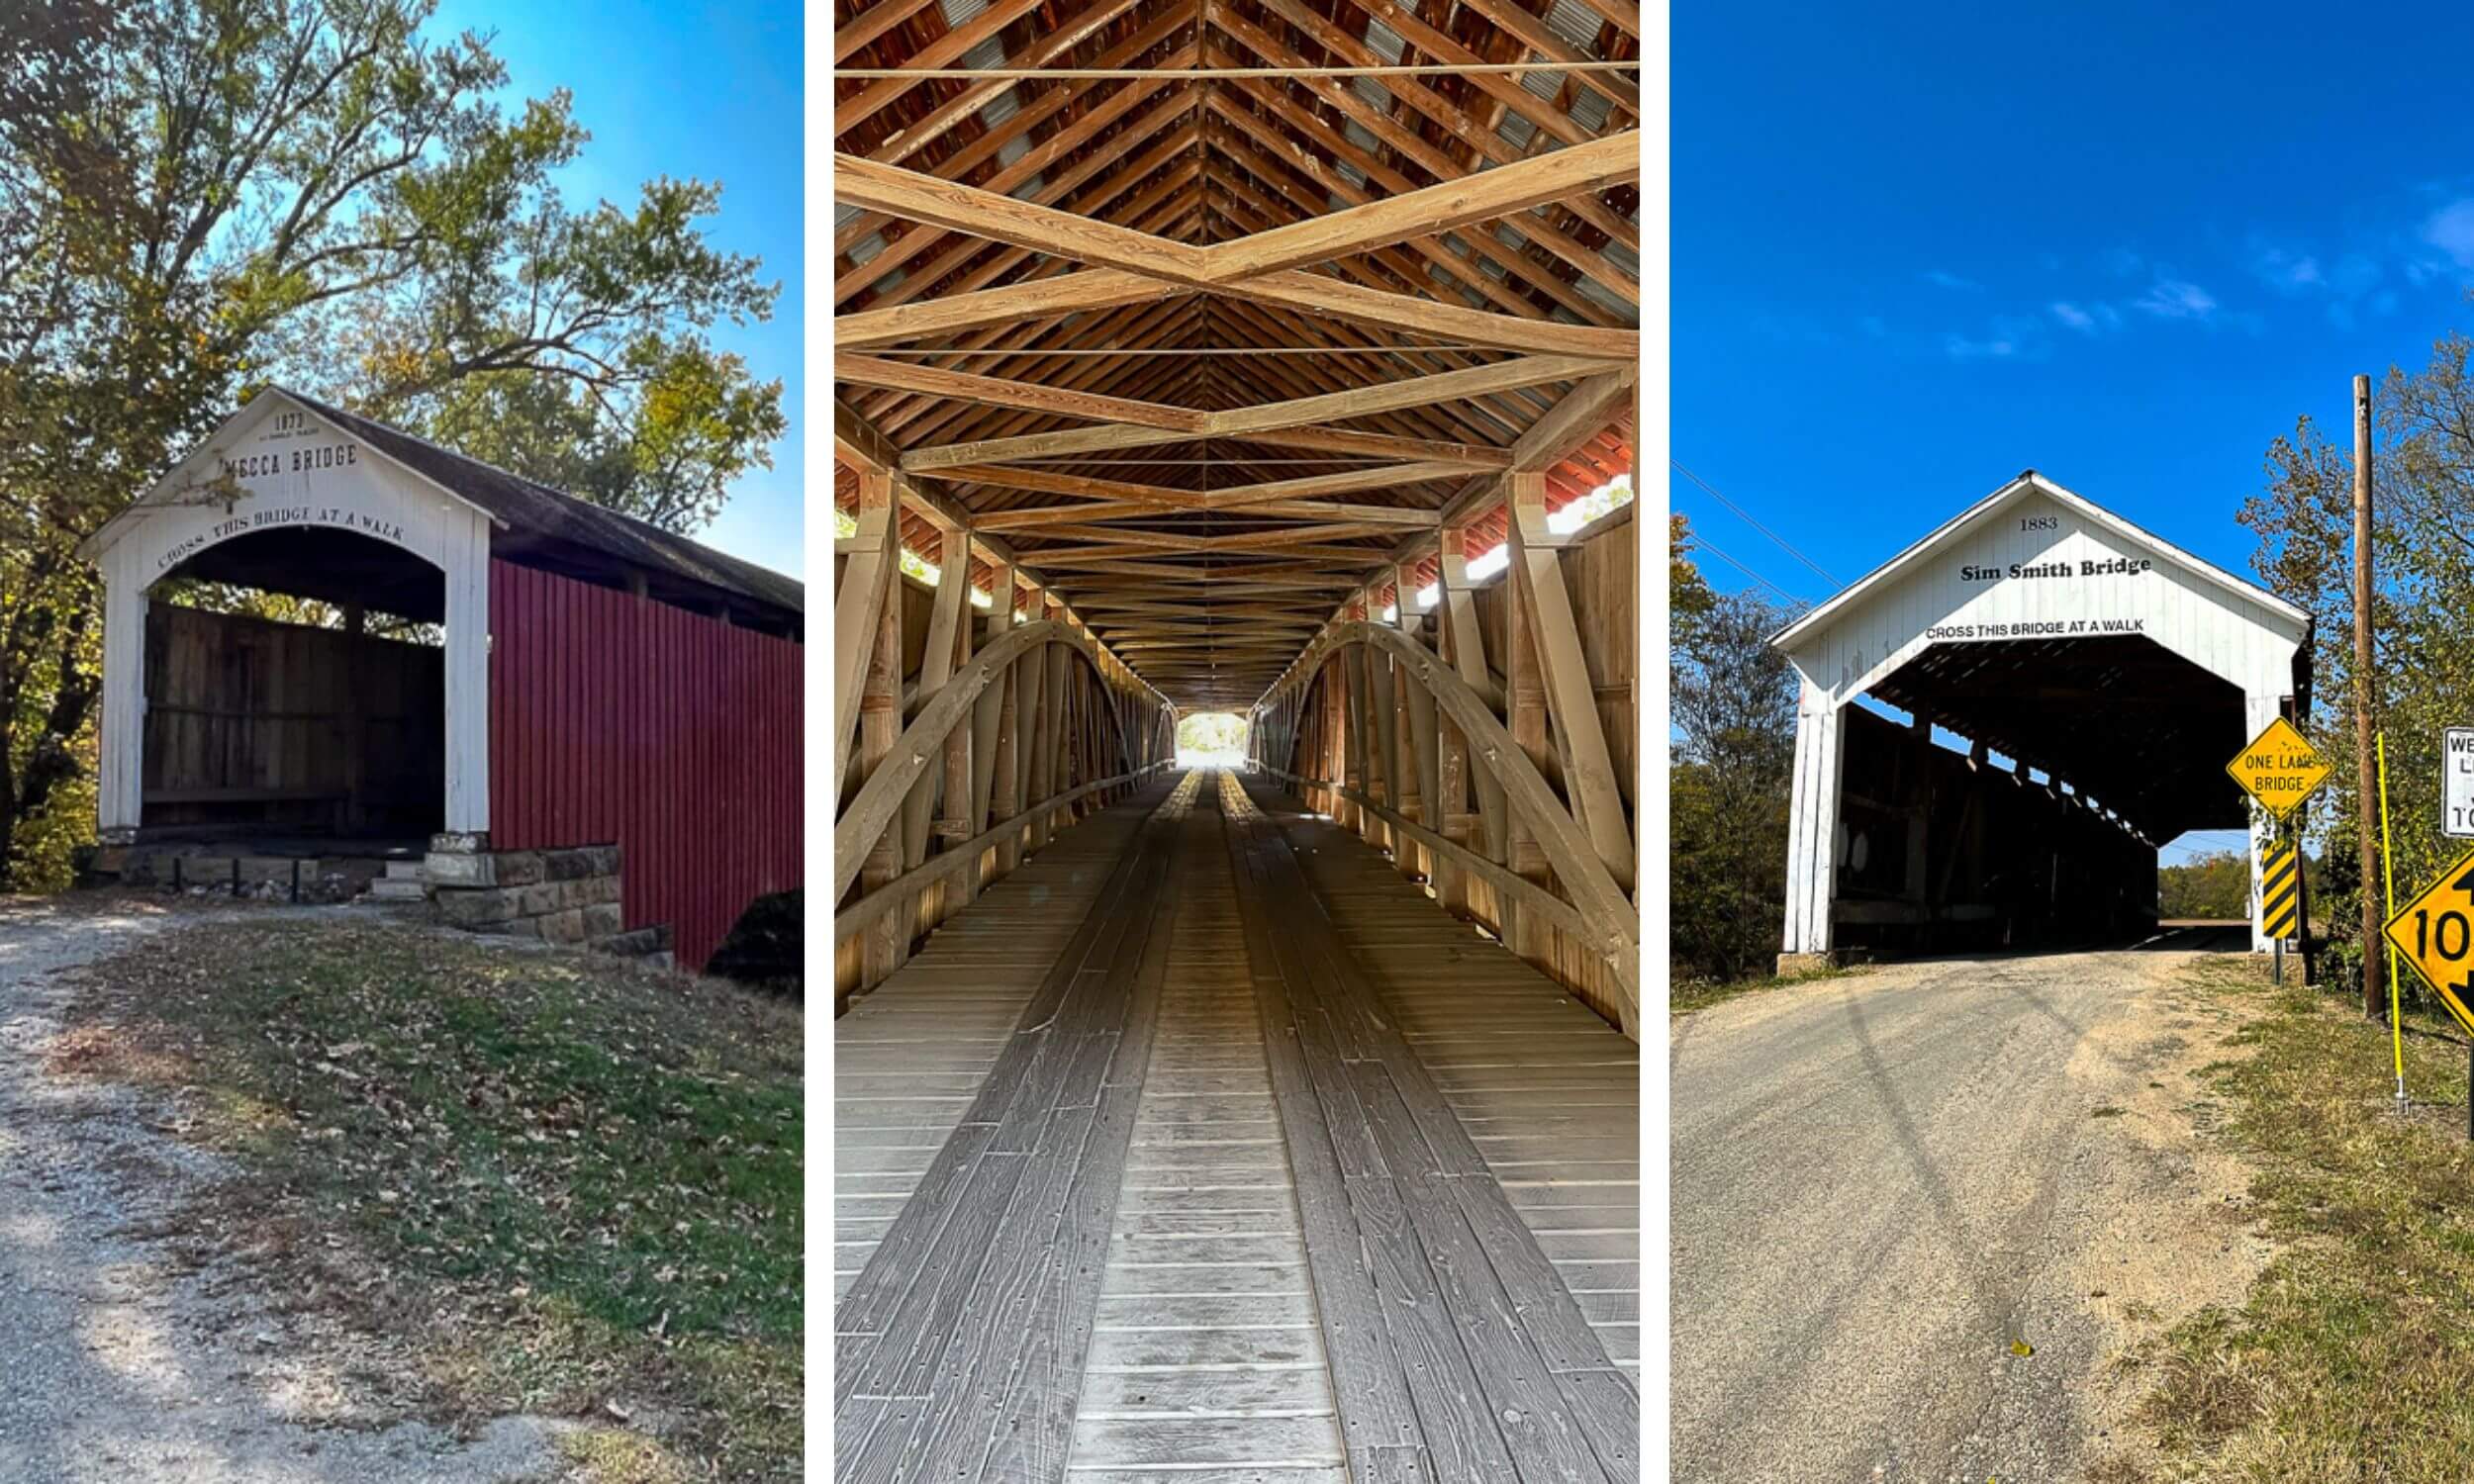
(1880,1183)
(124,1358)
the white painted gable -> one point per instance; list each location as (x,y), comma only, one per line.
(2035,561)
(290,466)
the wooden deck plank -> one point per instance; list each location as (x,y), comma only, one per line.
(1207,1364)
(1442,1223)
(977,1241)
(1269,1170)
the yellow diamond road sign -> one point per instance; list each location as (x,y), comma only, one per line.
(2436,934)
(2279,768)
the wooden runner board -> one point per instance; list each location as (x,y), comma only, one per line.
(1475,1326)
(1548,1090)
(938,1024)
(979,1239)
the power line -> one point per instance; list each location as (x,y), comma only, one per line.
(1747,518)
(1706,545)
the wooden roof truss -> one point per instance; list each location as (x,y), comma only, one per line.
(1216,320)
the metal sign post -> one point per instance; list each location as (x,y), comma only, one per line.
(2280,892)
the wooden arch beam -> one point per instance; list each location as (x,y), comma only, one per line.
(1614,922)
(872,808)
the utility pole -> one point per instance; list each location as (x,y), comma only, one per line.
(2365,678)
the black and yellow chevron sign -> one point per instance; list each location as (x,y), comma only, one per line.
(2280,892)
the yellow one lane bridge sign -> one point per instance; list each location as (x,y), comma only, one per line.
(2280,768)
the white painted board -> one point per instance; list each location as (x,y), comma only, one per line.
(2456,782)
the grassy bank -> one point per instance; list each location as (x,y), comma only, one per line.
(1686,995)
(578,1180)
(2354,1359)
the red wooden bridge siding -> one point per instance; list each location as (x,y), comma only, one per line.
(614,719)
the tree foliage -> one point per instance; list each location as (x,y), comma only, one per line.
(1734,724)
(1688,592)
(2422,610)
(1212,732)
(199,198)
(2214,886)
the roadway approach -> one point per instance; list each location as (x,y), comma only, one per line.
(1885,1186)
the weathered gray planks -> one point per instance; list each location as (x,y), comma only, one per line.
(1546,1089)
(910,1057)
(1503,1366)
(969,1315)
(1277,1173)
(1201,1363)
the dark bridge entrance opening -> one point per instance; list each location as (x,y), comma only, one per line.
(323,718)
(2080,757)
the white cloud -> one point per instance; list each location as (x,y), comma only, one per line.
(1948,280)
(1960,348)
(2284,270)
(2452,231)
(2091,318)
(2178,299)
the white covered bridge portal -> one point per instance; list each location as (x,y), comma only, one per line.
(2099,677)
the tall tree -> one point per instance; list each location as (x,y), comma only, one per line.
(1688,597)
(2422,609)
(1734,704)
(202,196)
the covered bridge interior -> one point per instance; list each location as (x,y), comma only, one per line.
(1279,1123)
(2108,747)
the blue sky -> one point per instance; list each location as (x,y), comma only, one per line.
(1920,248)
(704,91)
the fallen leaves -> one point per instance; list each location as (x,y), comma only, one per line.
(573,1177)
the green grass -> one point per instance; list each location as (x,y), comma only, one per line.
(2353,1357)
(1686,995)
(589,1172)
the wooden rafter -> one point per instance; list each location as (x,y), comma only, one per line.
(1054,274)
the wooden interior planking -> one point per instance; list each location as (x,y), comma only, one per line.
(1485,1369)
(969,1308)
(1548,1090)
(1201,1363)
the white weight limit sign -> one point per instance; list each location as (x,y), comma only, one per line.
(2456,782)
